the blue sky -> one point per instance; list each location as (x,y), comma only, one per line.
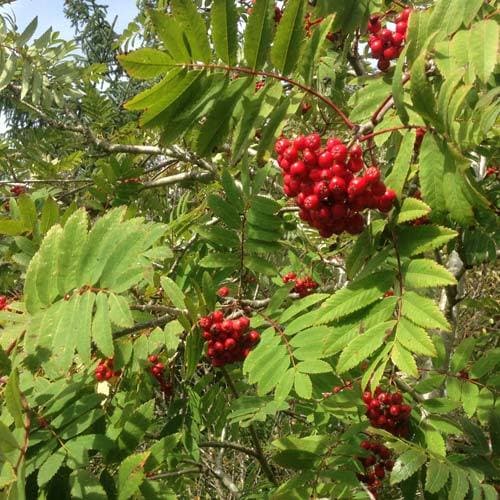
(50,13)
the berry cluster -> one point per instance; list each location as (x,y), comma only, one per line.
(375,464)
(3,302)
(303,286)
(385,44)
(105,371)
(157,369)
(228,341)
(17,190)
(386,411)
(324,183)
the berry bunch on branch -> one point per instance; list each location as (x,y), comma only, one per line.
(105,371)
(303,286)
(157,370)
(375,465)
(331,184)
(387,411)
(386,44)
(228,340)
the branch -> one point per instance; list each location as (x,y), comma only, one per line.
(174,179)
(175,473)
(232,446)
(253,433)
(161,321)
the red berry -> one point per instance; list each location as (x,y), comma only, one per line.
(309,157)
(395,410)
(356,187)
(383,64)
(291,153)
(356,151)
(355,224)
(339,152)
(378,188)
(205,322)
(367,397)
(366,445)
(229,344)
(300,142)
(377,47)
(355,164)
(311,202)
(298,169)
(389,465)
(379,471)
(401,27)
(391,53)
(398,39)
(385,35)
(397,397)
(254,336)
(223,291)
(372,175)
(325,159)
(153,358)
(281,145)
(313,141)
(217,316)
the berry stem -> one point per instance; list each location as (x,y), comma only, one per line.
(268,74)
(386,131)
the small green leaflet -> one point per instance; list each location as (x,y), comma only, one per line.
(355,296)
(287,43)
(414,338)
(436,476)
(403,359)
(363,346)
(146,63)
(423,311)
(426,273)
(397,178)
(412,209)
(407,464)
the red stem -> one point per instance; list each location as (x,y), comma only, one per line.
(386,131)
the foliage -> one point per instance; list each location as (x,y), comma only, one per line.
(133,191)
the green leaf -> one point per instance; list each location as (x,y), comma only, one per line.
(145,63)
(13,400)
(258,33)
(233,192)
(12,227)
(432,162)
(417,240)
(28,32)
(8,442)
(363,346)
(423,311)
(50,467)
(119,311)
(426,273)
(224,18)
(173,292)
(224,260)
(303,385)
(436,476)
(407,464)
(224,211)
(85,485)
(421,91)
(171,33)
(71,246)
(195,30)
(459,484)
(131,475)
(218,121)
(220,236)
(412,209)
(414,338)
(289,36)
(470,397)
(101,326)
(314,366)
(404,360)
(396,179)
(462,354)
(483,48)
(355,296)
